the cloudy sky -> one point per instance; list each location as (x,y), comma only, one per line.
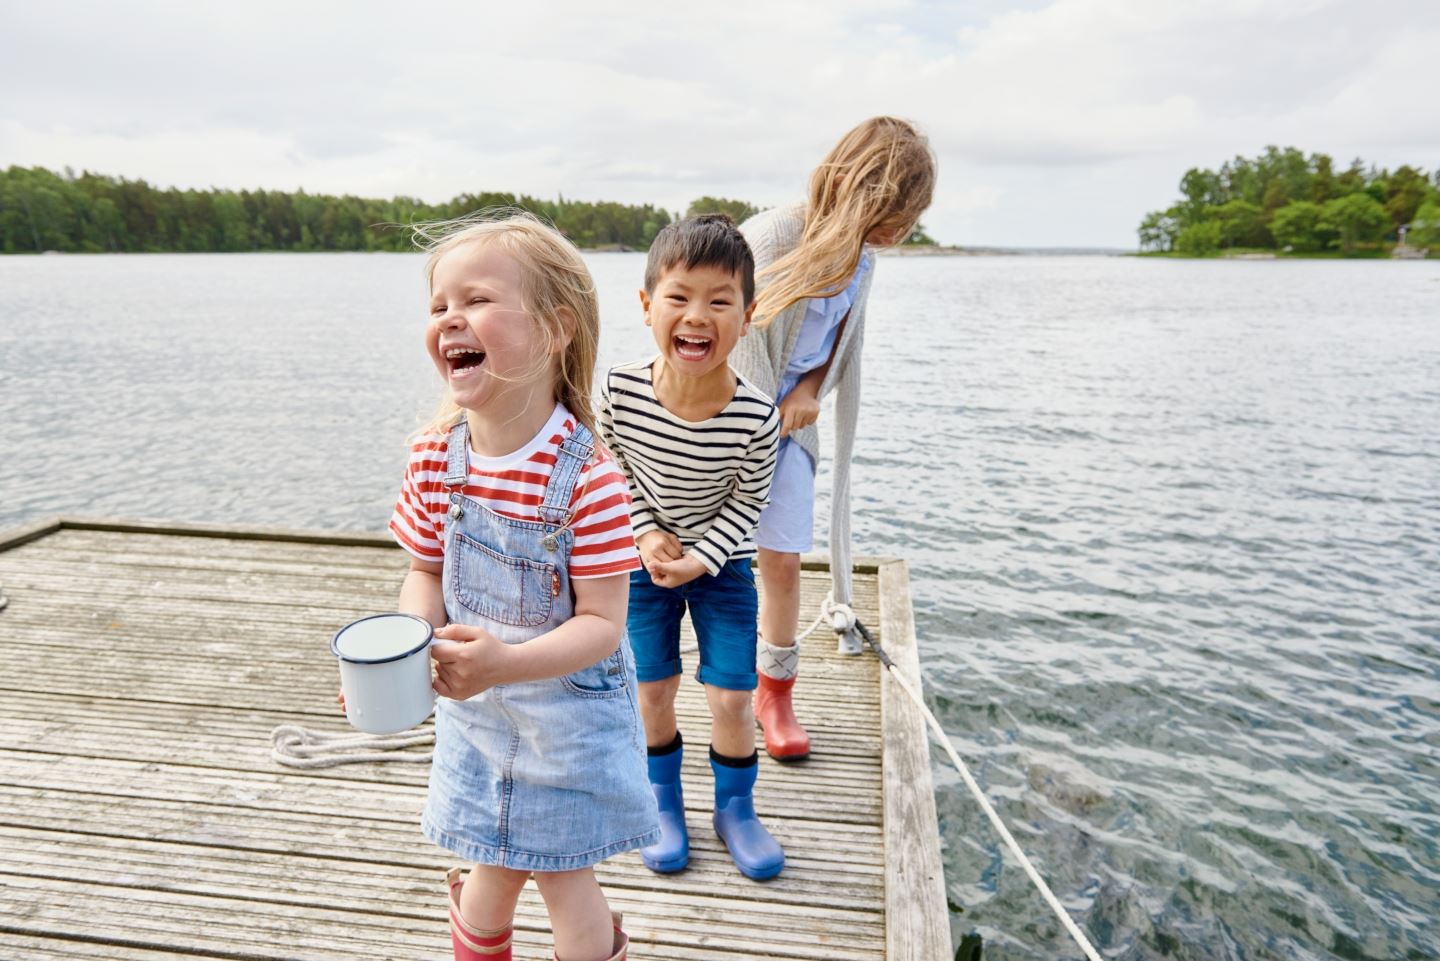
(1056,122)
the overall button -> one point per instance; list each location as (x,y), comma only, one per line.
(550,542)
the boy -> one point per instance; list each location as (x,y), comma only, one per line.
(697,443)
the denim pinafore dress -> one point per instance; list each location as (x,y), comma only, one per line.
(544,775)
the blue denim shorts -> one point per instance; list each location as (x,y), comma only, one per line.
(723,608)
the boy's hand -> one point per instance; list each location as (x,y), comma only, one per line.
(800,408)
(472,661)
(657,547)
(677,572)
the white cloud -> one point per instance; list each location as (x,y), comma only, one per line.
(1055,122)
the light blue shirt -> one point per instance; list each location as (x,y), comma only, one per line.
(816,340)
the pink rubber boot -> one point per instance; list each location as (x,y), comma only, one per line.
(471,943)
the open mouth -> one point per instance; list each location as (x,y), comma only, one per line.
(463,360)
(691,347)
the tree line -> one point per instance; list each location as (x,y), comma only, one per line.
(42,210)
(1285,200)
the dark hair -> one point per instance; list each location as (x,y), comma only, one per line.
(709,240)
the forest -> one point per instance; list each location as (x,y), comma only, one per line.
(1285,201)
(41,210)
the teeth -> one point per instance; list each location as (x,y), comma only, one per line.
(692,340)
(454,352)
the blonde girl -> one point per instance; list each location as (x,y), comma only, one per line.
(814,264)
(518,528)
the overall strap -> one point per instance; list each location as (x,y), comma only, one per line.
(457,454)
(570,459)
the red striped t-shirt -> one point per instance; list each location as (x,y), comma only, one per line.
(514,485)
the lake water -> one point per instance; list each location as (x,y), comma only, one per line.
(1173,526)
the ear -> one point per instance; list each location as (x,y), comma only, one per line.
(568,321)
(645,306)
(745,324)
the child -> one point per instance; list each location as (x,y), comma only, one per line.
(815,268)
(698,446)
(519,530)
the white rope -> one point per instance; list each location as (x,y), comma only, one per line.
(301,747)
(842,618)
(985,805)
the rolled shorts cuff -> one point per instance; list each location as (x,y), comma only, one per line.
(659,671)
(725,680)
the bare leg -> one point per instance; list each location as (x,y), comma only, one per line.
(657,707)
(487,901)
(777,656)
(732,721)
(579,914)
(780,598)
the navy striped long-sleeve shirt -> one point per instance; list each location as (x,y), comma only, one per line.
(705,482)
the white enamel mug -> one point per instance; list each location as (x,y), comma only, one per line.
(385,671)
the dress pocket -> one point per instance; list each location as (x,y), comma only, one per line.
(604,678)
(510,590)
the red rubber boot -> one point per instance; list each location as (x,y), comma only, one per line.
(785,739)
(471,943)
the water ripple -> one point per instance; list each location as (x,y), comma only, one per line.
(1173,528)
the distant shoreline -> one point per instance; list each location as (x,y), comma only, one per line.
(944,250)
(911,250)
(1386,252)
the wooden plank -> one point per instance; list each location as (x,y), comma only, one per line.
(270,930)
(25,533)
(276,790)
(916,913)
(139,744)
(22,946)
(402,892)
(204,834)
(229,532)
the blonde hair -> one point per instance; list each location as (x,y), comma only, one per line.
(554,278)
(880,173)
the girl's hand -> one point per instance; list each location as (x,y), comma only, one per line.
(656,547)
(800,408)
(468,660)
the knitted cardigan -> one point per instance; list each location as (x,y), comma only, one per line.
(762,355)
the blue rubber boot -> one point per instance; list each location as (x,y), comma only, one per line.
(757,854)
(672,852)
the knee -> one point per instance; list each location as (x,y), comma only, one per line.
(732,707)
(779,564)
(657,696)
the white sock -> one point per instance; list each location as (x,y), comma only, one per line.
(777,663)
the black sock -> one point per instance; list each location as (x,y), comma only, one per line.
(749,761)
(665,749)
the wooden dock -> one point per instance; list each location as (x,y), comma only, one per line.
(143,667)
